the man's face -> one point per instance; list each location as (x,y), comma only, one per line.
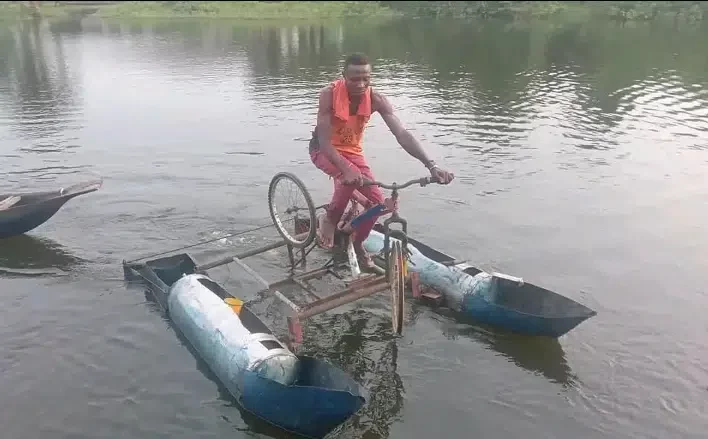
(357,79)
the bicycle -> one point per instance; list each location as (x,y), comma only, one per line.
(395,257)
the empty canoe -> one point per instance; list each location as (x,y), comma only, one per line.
(22,212)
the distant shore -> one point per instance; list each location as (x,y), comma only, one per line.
(250,10)
(298,10)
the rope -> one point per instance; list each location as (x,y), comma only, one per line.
(230,235)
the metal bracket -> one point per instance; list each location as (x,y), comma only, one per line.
(508,277)
(265,284)
(353,260)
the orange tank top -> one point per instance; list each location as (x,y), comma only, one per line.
(348,130)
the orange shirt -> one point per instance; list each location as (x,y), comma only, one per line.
(348,130)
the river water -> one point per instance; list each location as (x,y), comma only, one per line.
(580,156)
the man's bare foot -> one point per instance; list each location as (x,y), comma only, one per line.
(345,222)
(363,257)
(325,232)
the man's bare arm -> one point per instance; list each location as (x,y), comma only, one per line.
(324,130)
(403,136)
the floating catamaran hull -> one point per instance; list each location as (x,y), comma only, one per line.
(299,394)
(492,298)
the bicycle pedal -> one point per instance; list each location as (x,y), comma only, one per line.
(433,297)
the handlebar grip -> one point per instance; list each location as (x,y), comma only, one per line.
(364,183)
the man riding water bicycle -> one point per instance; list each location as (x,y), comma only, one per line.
(345,107)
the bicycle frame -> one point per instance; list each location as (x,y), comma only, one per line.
(395,218)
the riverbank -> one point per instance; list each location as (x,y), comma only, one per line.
(614,10)
(268,10)
(247,10)
(251,10)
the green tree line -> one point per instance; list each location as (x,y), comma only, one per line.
(622,10)
(617,10)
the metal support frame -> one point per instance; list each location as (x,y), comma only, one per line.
(343,297)
(358,286)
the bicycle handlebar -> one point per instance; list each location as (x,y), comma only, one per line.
(421,181)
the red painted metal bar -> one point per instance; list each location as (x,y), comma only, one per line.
(346,296)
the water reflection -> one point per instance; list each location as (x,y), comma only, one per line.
(492,86)
(31,255)
(40,92)
(496,84)
(534,354)
(363,346)
(300,51)
(68,26)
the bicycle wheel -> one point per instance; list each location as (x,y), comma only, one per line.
(397,281)
(301,206)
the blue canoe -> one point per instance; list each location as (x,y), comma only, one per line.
(299,394)
(495,299)
(22,212)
